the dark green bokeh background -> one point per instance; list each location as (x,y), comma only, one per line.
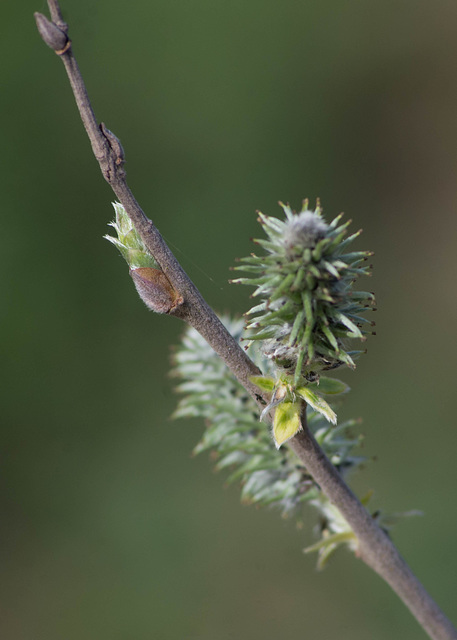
(108,528)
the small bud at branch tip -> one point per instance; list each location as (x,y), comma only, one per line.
(51,34)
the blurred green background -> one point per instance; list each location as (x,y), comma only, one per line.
(109,529)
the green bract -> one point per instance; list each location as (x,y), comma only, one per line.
(304,279)
(129,242)
(285,400)
(286,422)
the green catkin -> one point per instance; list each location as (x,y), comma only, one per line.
(242,444)
(299,330)
(313,305)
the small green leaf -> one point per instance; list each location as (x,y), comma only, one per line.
(286,422)
(328,545)
(317,403)
(355,331)
(263,382)
(129,242)
(329,386)
(335,538)
(367,497)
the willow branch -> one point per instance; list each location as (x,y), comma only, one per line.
(109,154)
(375,548)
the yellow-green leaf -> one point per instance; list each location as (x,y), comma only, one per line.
(329,386)
(263,382)
(317,403)
(286,422)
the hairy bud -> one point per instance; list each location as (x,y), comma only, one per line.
(155,289)
(152,285)
(51,34)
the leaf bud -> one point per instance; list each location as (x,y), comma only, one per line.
(155,289)
(128,241)
(152,285)
(51,34)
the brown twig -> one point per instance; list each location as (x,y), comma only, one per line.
(110,156)
(374,546)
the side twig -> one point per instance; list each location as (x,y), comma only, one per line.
(375,547)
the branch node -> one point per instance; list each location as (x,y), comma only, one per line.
(65,49)
(114,144)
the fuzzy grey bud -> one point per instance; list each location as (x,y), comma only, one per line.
(51,34)
(304,231)
(155,290)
